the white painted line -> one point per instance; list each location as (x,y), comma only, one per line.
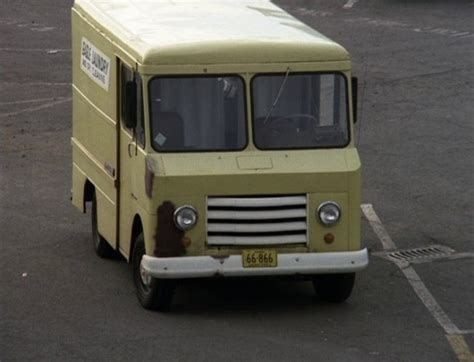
(428,300)
(31,101)
(42,28)
(37,83)
(36,108)
(453,333)
(33,50)
(460,34)
(377,226)
(410,273)
(350,4)
(464,255)
(389,23)
(460,347)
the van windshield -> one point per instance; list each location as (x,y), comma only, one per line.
(198,113)
(297,111)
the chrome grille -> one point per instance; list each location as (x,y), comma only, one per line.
(256,220)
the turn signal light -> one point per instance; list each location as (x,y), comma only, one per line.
(329,238)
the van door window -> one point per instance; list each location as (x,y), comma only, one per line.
(294,111)
(198,113)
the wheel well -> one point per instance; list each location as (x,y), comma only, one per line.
(89,191)
(137,228)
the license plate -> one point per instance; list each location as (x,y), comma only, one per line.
(259,258)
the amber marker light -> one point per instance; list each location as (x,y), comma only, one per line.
(329,238)
(186,242)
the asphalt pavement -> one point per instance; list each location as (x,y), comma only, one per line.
(58,301)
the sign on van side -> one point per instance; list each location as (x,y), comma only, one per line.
(95,64)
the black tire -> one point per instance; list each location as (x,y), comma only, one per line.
(334,288)
(158,294)
(101,246)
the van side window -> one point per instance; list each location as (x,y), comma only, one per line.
(126,76)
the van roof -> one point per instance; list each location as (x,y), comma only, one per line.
(208,31)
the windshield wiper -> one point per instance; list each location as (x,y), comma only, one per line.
(277,98)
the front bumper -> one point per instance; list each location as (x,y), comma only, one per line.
(288,264)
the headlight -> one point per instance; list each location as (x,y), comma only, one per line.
(185,217)
(329,213)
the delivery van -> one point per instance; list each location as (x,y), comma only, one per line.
(215,139)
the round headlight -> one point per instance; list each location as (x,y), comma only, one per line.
(185,217)
(329,212)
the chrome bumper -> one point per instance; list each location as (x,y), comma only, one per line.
(288,264)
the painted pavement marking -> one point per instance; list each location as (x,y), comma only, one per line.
(40,50)
(36,108)
(453,333)
(350,4)
(37,100)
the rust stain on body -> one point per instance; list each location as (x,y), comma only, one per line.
(168,238)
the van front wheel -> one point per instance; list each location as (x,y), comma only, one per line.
(155,294)
(334,288)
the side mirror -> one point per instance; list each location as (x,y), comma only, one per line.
(354,84)
(130,105)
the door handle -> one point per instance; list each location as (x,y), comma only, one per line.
(130,148)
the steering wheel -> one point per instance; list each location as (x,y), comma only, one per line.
(293,118)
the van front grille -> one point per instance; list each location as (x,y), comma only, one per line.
(256,220)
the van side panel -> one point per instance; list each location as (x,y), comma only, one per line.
(94,140)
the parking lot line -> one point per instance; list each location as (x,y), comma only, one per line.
(42,84)
(36,100)
(36,108)
(453,333)
(378,228)
(40,50)
(350,4)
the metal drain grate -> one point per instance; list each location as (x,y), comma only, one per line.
(429,253)
(421,254)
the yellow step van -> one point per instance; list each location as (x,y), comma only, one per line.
(215,138)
